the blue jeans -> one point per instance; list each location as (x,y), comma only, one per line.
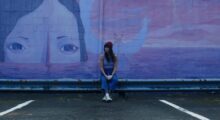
(108,85)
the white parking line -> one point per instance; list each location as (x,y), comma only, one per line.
(200,117)
(16,107)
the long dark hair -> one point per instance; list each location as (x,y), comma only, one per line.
(111,53)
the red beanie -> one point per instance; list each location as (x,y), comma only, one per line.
(109,44)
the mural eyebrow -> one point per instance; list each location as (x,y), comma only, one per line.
(63,36)
(60,37)
(22,37)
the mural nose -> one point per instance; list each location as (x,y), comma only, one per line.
(48,51)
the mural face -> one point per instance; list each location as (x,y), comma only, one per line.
(47,35)
(152,38)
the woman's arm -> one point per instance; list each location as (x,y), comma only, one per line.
(115,66)
(101,59)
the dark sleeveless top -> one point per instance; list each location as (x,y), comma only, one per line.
(108,66)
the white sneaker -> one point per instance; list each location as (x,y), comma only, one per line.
(104,98)
(108,97)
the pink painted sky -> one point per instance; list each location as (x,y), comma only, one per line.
(179,23)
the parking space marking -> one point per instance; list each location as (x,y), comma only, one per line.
(19,106)
(200,117)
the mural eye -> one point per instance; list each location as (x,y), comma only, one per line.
(15,46)
(69,48)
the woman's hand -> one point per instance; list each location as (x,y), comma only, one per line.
(109,77)
(106,76)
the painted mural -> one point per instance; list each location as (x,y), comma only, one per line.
(152,38)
